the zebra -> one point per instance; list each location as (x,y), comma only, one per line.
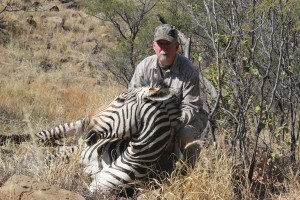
(125,139)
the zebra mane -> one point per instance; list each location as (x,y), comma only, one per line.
(161,94)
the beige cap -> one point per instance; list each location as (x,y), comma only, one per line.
(166,32)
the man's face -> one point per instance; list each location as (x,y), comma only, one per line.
(165,51)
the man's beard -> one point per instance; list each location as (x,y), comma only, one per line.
(163,59)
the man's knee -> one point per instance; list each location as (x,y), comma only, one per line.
(186,135)
(193,130)
(187,139)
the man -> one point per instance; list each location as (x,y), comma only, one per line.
(176,71)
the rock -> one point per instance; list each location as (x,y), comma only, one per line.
(31,22)
(105,36)
(36,4)
(23,187)
(87,46)
(72,5)
(66,1)
(53,22)
(151,195)
(54,9)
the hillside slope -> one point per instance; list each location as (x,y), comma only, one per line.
(51,67)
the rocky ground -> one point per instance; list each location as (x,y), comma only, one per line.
(24,187)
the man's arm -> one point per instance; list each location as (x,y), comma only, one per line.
(191,102)
(137,78)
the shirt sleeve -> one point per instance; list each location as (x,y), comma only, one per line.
(191,101)
(138,77)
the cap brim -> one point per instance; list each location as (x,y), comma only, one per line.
(168,38)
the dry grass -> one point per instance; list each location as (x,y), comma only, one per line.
(46,71)
(46,79)
(210,179)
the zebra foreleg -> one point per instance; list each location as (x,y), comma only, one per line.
(99,159)
(112,178)
(62,131)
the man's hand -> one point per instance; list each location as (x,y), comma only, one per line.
(180,123)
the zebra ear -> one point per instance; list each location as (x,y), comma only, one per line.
(160,94)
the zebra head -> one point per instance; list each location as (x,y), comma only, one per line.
(122,118)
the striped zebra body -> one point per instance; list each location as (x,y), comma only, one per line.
(141,151)
(138,133)
(124,140)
